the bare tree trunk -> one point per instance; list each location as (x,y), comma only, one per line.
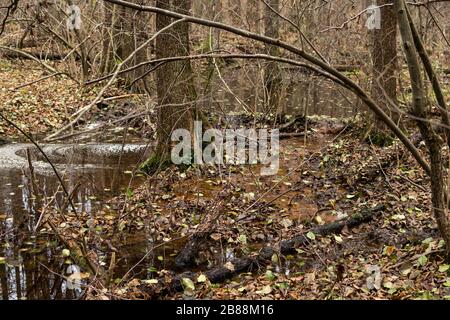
(432,76)
(272,72)
(253,15)
(175,81)
(108,51)
(432,140)
(384,57)
(128,31)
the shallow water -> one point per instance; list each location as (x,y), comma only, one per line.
(30,262)
(31,265)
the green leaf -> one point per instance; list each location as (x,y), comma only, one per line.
(188,284)
(447,284)
(282,285)
(422,260)
(444,267)
(274,258)
(269,275)
(242,239)
(66,252)
(311,235)
(2,260)
(129,193)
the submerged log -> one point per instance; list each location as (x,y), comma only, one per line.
(186,257)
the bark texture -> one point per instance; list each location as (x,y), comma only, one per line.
(384,58)
(175,80)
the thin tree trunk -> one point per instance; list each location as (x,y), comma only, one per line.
(432,76)
(128,32)
(432,140)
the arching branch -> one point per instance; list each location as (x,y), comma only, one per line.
(347,82)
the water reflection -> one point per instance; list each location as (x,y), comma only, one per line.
(31,263)
(241,88)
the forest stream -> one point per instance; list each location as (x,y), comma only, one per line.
(224,150)
(95,172)
(92,172)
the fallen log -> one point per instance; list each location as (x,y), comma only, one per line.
(26,55)
(186,257)
(364,216)
(254,263)
(217,274)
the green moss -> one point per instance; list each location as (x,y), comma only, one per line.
(380,138)
(154,163)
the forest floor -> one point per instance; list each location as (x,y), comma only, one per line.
(329,180)
(329,176)
(39,106)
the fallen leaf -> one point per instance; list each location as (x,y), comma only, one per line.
(201,278)
(229,266)
(150,281)
(310,235)
(188,284)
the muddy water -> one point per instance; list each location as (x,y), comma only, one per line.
(30,262)
(294,205)
(31,265)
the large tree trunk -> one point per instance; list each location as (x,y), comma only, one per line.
(384,57)
(175,81)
